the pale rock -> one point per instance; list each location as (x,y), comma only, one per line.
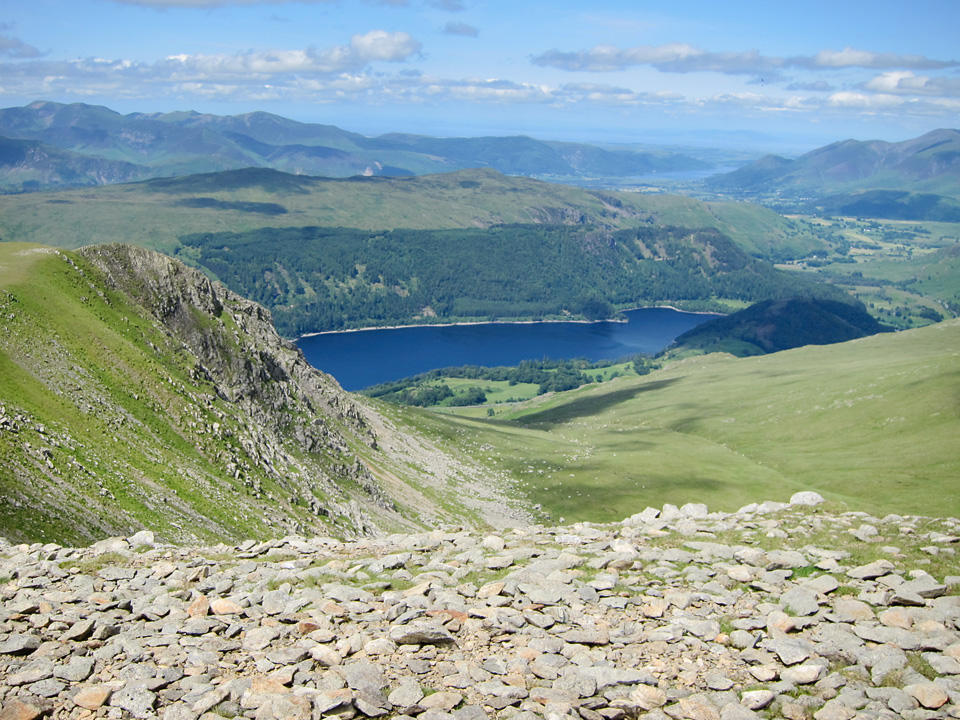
(445,700)
(285,706)
(325,655)
(757,699)
(200,607)
(136,698)
(872,571)
(807,497)
(822,584)
(225,606)
(259,638)
(928,694)
(834,712)
(804,674)
(407,693)
(800,601)
(698,707)
(648,697)
(92,697)
(76,670)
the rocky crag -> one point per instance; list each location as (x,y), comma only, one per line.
(139,394)
(777,610)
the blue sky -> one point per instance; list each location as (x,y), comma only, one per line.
(624,71)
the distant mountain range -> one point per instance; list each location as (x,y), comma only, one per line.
(928,165)
(68,138)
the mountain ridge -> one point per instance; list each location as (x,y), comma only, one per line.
(929,163)
(180,143)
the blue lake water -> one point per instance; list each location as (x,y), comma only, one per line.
(367,357)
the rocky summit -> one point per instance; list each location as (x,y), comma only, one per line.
(790,610)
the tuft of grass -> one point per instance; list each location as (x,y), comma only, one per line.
(846,591)
(920,664)
(98,562)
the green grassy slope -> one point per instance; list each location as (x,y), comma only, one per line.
(135,394)
(156,213)
(872,423)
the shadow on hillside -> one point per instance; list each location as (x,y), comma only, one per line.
(592,404)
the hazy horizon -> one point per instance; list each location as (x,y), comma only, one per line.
(619,72)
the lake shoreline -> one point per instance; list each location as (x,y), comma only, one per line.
(504,322)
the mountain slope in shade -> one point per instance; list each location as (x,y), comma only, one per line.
(774,325)
(30,165)
(890,205)
(136,394)
(930,163)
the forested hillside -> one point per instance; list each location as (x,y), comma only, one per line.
(318,279)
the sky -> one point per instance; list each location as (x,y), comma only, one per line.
(619,71)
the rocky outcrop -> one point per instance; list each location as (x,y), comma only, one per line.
(778,610)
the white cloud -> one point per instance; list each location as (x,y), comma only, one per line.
(672,57)
(684,58)
(385,46)
(850,57)
(850,99)
(374,46)
(904,82)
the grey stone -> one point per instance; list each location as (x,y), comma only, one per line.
(136,699)
(799,601)
(77,669)
(80,630)
(19,644)
(49,688)
(791,651)
(421,634)
(871,571)
(407,693)
(757,699)
(32,672)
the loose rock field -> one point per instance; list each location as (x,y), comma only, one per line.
(778,610)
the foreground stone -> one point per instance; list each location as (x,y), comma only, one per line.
(680,613)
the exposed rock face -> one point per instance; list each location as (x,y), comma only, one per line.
(673,613)
(250,365)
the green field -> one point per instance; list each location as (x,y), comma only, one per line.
(907,273)
(871,423)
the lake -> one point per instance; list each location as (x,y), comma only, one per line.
(362,358)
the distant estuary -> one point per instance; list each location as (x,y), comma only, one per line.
(358,359)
